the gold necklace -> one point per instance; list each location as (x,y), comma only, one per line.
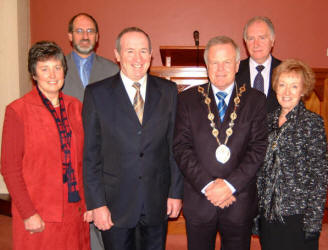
(222,152)
(278,134)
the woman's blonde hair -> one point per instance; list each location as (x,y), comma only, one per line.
(298,67)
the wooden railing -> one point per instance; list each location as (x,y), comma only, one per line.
(5,204)
(318,100)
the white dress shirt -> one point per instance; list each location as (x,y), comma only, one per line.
(131,91)
(265,72)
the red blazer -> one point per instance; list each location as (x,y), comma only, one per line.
(31,156)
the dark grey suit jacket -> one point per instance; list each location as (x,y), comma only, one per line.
(243,76)
(101,69)
(194,149)
(127,166)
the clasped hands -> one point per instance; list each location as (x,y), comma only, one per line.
(219,194)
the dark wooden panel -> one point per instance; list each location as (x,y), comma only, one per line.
(5,204)
(182,55)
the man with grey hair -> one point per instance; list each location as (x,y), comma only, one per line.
(256,71)
(84,65)
(219,144)
(132,183)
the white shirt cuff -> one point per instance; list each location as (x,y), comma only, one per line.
(233,190)
(204,188)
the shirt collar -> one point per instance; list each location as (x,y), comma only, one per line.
(266,64)
(228,90)
(129,82)
(77,58)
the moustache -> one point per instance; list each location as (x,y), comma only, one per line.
(85,40)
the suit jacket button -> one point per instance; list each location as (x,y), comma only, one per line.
(141,155)
(139,132)
(140,177)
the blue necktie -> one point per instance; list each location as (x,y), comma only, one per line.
(259,81)
(83,72)
(222,107)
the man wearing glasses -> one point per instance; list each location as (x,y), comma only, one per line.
(84,66)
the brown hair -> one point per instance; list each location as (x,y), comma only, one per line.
(70,24)
(43,51)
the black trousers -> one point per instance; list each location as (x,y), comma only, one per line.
(285,236)
(234,236)
(142,236)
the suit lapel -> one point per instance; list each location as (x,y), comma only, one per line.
(272,102)
(153,95)
(95,69)
(231,106)
(214,107)
(73,72)
(121,99)
(227,119)
(245,75)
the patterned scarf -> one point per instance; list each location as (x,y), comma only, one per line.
(271,199)
(65,135)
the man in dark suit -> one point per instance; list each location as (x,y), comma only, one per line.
(132,182)
(84,65)
(219,144)
(256,70)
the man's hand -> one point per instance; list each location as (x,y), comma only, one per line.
(227,202)
(102,218)
(88,216)
(218,192)
(34,224)
(173,207)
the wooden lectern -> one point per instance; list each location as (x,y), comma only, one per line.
(182,55)
(183,65)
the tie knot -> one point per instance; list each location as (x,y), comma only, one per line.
(136,85)
(259,68)
(221,95)
(83,61)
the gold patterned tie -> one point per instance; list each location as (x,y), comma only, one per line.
(138,102)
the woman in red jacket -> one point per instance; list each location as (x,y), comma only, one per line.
(41,159)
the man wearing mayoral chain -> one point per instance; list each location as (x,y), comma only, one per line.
(219,144)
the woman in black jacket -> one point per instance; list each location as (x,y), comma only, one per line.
(293,180)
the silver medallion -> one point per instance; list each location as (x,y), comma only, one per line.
(222,153)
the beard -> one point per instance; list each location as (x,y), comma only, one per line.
(84,50)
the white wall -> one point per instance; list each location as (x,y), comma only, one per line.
(15,40)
